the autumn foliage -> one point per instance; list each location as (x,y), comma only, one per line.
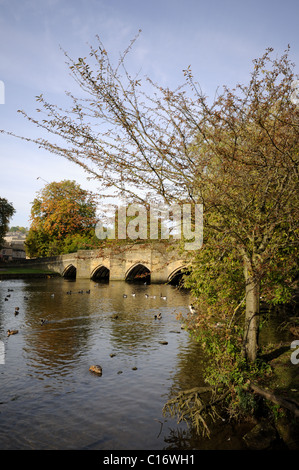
(63,217)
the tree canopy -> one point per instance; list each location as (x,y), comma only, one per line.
(6,212)
(63,217)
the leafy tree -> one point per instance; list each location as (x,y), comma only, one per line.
(238,156)
(17,228)
(79,241)
(6,212)
(62,213)
(247,177)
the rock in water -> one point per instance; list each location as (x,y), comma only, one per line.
(96,369)
(261,436)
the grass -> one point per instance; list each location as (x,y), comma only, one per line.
(16,271)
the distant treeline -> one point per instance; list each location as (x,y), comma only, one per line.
(17,228)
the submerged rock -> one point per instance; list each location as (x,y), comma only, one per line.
(96,369)
(261,436)
(288,431)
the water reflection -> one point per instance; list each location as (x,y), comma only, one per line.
(50,400)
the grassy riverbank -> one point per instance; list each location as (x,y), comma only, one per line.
(15,273)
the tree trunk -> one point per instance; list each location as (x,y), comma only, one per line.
(252,317)
(288,403)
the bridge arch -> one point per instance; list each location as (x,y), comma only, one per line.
(138,272)
(175,278)
(100,273)
(69,272)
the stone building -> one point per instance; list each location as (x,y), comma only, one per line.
(13,247)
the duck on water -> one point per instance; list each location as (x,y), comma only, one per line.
(12,332)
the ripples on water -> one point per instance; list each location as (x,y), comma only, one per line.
(48,397)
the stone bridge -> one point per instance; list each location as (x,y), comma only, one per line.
(157,263)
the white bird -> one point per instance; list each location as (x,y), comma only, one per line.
(163,297)
(192,309)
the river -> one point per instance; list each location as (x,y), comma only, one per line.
(48,397)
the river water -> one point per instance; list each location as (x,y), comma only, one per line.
(48,397)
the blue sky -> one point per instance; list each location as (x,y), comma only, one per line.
(219,39)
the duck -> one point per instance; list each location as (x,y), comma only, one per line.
(146,296)
(12,332)
(43,321)
(192,309)
(17,310)
(25,298)
(158,316)
(125,296)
